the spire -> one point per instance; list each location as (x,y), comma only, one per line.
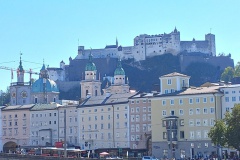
(43,71)
(175,30)
(20,68)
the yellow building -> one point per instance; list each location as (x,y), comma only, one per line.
(182,118)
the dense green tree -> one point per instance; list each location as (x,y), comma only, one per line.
(233,127)
(227,75)
(218,132)
(237,70)
(5,97)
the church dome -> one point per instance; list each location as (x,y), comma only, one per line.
(119,70)
(90,65)
(51,86)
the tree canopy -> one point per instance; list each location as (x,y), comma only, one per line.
(230,72)
(226,131)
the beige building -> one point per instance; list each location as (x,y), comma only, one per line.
(44,124)
(104,122)
(15,127)
(140,123)
(182,119)
(72,122)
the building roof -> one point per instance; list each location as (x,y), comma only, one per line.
(18,107)
(51,106)
(107,100)
(38,86)
(174,74)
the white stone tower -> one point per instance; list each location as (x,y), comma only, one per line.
(90,86)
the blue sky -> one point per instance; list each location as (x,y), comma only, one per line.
(51,30)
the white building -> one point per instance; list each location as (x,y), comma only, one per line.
(152,45)
(230,98)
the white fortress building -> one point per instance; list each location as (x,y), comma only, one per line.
(152,45)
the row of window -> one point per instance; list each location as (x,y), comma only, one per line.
(102,109)
(117,116)
(145,117)
(138,109)
(108,136)
(233,92)
(145,128)
(190,101)
(43,123)
(234,99)
(192,134)
(45,115)
(140,101)
(109,126)
(14,131)
(191,111)
(15,116)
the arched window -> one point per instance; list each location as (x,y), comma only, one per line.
(86,92)
(54,99)
(95,92)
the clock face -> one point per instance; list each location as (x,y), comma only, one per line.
(13,94)
(24,94)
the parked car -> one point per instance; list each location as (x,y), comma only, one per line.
(149,158)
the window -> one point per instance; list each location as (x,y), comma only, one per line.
(172,112)
(149,109)
(198,135)
(180,101)
(198,111)
(198,122)
(205,122)
(164,123)
(101,117)
(164,113)
(55,114)
(190,100)
(191,122)
(95,118)
(227,109)
(137,101)
(172,102)
(204,100)
(137,118)
(226,99)
(137,109)
(163,102)
(144,109)
(191,134)
(164,135)
(211,100)
(233,92)
(166,91)
(190,111)
(197,100)
(50,114)
(212,110)
(180,111)
(132,128)
(181,134)
(169,81)
(205,134)
(181,122)
(132,101)
(211,122)
(233,99)
(132,110)
(205,111)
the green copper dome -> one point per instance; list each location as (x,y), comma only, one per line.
(119,70)
(90,65)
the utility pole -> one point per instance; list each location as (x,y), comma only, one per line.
(113,128)
(65,134)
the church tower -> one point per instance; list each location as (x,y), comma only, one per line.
(20,73)
(90,85)
(20,91)
(119,85)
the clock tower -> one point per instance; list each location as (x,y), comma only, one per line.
(20,91)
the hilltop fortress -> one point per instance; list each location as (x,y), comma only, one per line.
(152,45)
